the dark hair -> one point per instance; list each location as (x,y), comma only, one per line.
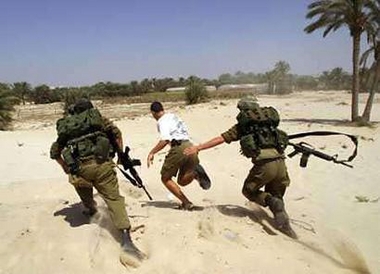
(156,106)
(81,105)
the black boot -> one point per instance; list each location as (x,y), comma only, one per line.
(281,218)
(129,247)
(90,209)
(202,177)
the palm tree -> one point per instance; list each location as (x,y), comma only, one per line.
(7,102)
(373,32)
(22,90)
(334,14)
(277,77)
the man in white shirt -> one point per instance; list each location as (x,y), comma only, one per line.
(173,131)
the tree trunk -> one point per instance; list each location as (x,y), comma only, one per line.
(355,77)
(368,107)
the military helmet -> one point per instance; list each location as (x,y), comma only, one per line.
(247,102)
(82,104)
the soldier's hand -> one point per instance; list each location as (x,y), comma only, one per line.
(191,150)
(149,160)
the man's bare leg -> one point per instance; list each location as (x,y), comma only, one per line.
(186,178)
(176,191)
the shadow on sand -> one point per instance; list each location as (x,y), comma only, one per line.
(331,122)
(73,215)
(169,205)
(256,214)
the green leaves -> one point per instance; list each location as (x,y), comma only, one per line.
(7,102)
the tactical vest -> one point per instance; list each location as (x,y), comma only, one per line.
(82,136)
(258,130)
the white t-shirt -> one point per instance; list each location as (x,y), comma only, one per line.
(170,127)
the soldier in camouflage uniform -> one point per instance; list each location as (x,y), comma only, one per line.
(269,172)
(99,174)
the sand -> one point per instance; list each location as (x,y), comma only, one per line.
(335,210)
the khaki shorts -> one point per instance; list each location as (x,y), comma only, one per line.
(176,161)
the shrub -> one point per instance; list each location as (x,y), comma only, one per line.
(195,92)
(7,102)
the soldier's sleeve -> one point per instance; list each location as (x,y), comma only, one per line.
(55,150)
(109,126)
(231,135)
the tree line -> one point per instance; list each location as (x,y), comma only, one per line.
(280,76)
(279,80)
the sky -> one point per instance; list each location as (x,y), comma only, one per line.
(82,42)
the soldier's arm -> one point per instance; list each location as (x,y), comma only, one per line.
(209,144)
(226,137)
(110,127)
(55,154)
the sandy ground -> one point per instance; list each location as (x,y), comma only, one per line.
(43,230)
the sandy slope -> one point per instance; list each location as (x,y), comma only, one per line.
(43,230)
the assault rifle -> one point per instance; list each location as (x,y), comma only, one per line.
(128,165)
(306,150)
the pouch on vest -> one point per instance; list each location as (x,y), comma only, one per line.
(248,146)
(258,127)
(282,140)
(70,160)
(102,149)
(85,147)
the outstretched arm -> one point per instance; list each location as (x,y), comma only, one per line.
(209,144)
(160,145)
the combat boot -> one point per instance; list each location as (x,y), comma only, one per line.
(129,247)
(90,209)
(281,218)
(202,177)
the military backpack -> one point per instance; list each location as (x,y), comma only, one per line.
(82,135)
(258,128)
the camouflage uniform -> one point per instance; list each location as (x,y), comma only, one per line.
(269,171)
(102,177)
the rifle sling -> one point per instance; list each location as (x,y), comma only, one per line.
(353,138)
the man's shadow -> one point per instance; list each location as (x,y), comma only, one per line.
(256,214)
(169,205)
(73,215)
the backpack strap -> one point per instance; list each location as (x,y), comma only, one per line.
(87,136)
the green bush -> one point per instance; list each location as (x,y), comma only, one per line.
(7,102)
(195,92)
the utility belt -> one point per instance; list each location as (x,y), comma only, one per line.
(93,146)
(265,161)
(174,142)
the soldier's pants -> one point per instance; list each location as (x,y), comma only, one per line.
(103,178)
(270,174)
